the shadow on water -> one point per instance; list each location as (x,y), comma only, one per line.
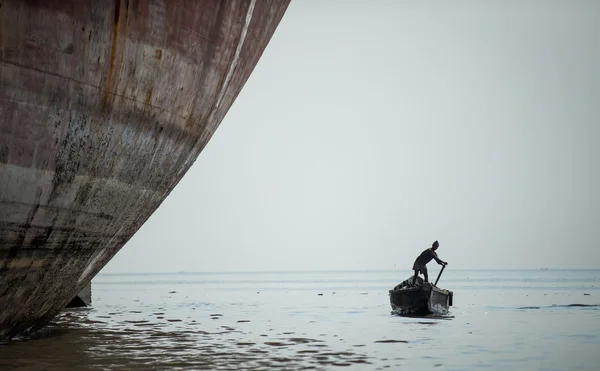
(76,341)
(52,330)
(426,316)
(38,335)
(433,319)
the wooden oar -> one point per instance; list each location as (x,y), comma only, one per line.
(439,275)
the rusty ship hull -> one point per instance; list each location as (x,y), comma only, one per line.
(104,106)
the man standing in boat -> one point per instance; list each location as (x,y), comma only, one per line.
(420,264)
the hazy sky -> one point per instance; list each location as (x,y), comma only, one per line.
(369,129)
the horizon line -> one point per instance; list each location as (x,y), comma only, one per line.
(337,271)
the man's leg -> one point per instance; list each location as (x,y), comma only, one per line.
(415,277)
(424,270)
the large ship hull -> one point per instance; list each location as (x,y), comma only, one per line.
(104,106)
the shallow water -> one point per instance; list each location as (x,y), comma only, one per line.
(529,320)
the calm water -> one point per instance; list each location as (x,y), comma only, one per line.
(502,320)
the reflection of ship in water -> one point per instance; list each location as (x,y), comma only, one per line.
(104,107)
(83,338)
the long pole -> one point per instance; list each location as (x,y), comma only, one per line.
(439,275)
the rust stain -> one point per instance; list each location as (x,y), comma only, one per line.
(158,54)
(123,34)
(113,54)
(148,96)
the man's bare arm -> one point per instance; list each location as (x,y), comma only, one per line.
(438,260)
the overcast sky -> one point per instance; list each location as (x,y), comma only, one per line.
(369,129)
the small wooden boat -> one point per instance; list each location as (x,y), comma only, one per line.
(421,299)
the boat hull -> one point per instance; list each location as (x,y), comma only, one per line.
(104,106)
(424,299)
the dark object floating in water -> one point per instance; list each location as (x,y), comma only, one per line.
(320,294)
(585,293)
(172,292)
(564,306)
(421,299)
(277,344)
(216,315)
(391,341)
(243,320)
(304,340)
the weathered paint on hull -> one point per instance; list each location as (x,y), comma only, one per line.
(104,106)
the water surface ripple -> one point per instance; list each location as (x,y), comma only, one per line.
(318,321)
